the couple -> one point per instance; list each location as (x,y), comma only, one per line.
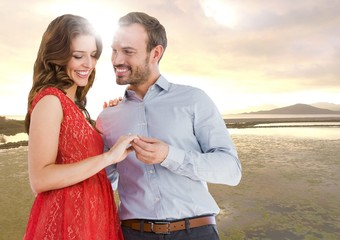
(164,141)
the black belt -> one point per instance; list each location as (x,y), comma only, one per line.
(166,227)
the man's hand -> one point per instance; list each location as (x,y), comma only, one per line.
(120,149)
(150,150)
(113,102)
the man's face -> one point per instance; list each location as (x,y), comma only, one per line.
(130,60)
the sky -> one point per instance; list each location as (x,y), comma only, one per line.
(246,55)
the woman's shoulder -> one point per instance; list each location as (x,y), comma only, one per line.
(49,91)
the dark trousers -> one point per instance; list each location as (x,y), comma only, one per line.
(208,232)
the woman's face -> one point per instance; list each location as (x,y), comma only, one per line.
(83,61)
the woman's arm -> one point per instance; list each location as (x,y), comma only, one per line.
(44,131)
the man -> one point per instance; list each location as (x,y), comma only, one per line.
(183,142)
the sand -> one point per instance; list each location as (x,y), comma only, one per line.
(289,190)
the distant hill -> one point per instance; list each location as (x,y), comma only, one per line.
(297,109)
(326,105)
(253,108)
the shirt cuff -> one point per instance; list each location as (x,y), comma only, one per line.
(174,159)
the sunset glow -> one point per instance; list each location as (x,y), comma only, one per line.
(244,54)
(220,11)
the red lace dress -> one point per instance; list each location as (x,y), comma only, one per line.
(82,211)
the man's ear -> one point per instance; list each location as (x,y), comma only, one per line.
(157,53)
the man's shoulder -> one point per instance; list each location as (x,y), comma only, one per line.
(184,87)
(174,86)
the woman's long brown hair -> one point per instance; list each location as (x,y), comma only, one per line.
(53,55)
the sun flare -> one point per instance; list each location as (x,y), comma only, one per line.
(220,12)
(100,15)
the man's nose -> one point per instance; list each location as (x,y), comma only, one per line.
(117,58)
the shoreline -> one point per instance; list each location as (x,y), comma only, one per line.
(251,122)
(231,123)
(10,145)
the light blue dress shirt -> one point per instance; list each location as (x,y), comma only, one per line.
(200,151)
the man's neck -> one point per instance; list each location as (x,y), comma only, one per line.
(141,89)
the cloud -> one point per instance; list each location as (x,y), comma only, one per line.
(257,47)
(281,45)
(278,43)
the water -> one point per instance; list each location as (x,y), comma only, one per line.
(276,116)
(319,130)
(299,124)
(291,126)
(16,138)
(16,117)
(294,131)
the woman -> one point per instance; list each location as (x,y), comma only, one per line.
(65,153)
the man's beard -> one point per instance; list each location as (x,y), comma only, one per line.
(139,75)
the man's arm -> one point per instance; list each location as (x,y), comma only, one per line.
(217,162)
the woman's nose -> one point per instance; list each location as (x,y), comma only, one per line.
(90,62)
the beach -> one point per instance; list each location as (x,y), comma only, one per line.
(289,187)
(289,190)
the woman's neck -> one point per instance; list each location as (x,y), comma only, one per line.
(71,92)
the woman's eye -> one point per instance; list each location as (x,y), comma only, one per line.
(77,57)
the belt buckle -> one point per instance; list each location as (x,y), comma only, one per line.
(160,223)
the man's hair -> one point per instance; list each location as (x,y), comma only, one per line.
(154,29)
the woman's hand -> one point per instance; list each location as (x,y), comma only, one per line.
(113,102)
(120,149)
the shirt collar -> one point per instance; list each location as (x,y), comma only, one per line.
(161,83)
